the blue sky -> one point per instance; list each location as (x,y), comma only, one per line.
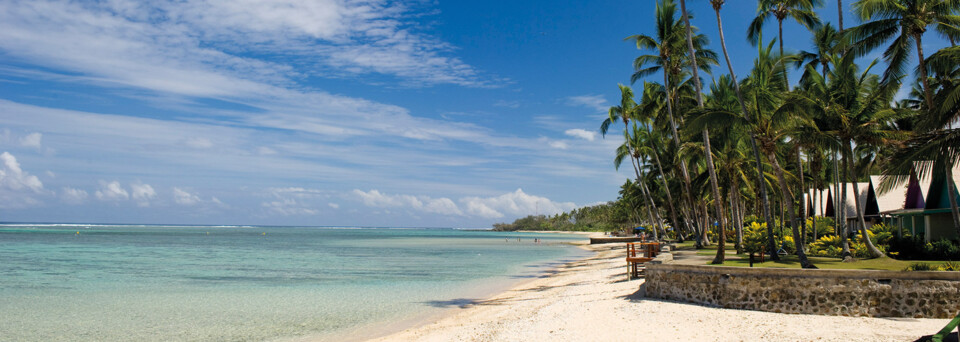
(323,112)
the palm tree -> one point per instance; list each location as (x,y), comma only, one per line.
(855,110)
(651,103)
(937,140)
(798,10)
(903,21)
(770,125)
(771,245)
(691,49)
(826,41)
(629,149)
(668,52)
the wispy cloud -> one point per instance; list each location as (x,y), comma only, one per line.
(516,203)
(596,103)
(581,133)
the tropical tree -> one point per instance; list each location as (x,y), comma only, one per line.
(904,22)
(938,140)
(668,52)
(769,123)
(854,110)
(765,198)
(718,203)
(826,41)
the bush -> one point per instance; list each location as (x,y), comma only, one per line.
(942,250)
(919,266)
(826,246)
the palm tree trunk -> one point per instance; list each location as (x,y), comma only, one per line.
(780,27)
(803,202)
(840,13)
(753,138)
(840,210)
(717,200)
(951,189)
(788,203)
(927,93)
(874,252)
(646,196)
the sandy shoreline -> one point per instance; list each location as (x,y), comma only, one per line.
(590,300)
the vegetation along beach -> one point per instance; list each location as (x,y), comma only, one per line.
(373,170)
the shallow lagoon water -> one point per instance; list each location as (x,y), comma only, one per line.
(165,283)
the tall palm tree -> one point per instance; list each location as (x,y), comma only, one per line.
(691,49)
(669,49)
(770,124)
(798,10)
(765,197)
(904,22)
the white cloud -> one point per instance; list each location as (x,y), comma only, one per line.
(32,140)
(17,187)
(581,133)
(111,191)
(516,203)
(374,198)
(142,193)
(558,144)
(184,197)
(288,207)
(73,196)
(333,205)
(594,102)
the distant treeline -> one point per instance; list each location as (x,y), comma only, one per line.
(608,216)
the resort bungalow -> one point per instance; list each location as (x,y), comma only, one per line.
(925,209)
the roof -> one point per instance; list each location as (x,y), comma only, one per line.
(891,200)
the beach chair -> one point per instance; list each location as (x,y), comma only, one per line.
(639,253)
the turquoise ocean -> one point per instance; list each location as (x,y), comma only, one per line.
(231,283)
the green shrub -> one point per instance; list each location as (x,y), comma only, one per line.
(919,266)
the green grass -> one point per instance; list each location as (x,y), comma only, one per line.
(791,261)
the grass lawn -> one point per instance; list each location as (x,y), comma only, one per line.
(791,261)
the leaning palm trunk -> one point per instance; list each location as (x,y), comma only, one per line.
(753,138)
(803,202)
(788,203)
(646,197)
(663,179)
(874,252)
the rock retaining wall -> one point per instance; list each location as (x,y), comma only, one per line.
(821,292)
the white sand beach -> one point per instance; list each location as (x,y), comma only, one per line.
(591,300)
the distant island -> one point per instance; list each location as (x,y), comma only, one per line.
(608,216)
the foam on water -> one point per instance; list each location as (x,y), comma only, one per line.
(153,283)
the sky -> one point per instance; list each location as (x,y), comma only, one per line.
(322,112)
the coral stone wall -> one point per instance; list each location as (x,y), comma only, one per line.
(821,292)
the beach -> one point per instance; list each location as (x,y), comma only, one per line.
(591,300)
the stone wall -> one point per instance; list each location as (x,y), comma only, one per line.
(821,292)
